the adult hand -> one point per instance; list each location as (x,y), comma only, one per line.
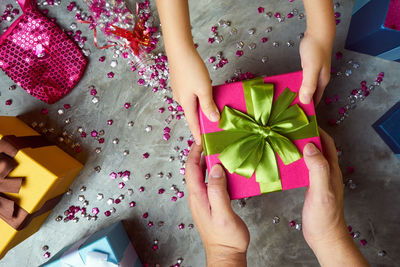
(324,226)
(190,81)
(225,236)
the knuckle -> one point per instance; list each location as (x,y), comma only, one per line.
(215,190)
(322,165)
(327,198)
(222,222)
(194,197)
(309,85)
(190,163)
(204,93)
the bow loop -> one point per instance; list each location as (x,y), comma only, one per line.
(291,120)
(232,119)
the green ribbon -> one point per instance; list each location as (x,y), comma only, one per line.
(249,141)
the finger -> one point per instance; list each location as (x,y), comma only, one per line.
(323,81)
(318,168)
(207,104)
(330,152)
(192,118)
(197,190)
(309,84)
(329,148)
(217,191)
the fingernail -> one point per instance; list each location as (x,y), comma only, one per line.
(306,98)
(214,116)
(216,171)
(310,149)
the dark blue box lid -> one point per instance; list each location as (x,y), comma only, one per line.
(388,127)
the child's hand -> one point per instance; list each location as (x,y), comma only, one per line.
(316,63)
(190,80)
(324,226)
(225,236)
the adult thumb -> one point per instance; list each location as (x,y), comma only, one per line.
(318,168)
(217,190)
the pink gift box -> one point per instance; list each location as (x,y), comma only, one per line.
(293,175)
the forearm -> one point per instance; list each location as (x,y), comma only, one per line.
(342,253)
(175,24)
(321,20)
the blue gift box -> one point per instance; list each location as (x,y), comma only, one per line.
(109,247)
(388,127)
(368,34)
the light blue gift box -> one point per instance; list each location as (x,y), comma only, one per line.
(108,247)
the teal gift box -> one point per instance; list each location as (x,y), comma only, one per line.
(109,247)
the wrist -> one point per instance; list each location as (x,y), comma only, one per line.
(179,49)
(225,256)
(326,244)
(324,40)
(339,246)
(338,234)
(176,54)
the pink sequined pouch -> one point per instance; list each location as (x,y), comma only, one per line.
(38,56)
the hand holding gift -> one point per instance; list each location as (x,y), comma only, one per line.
(225,236)
(324,226)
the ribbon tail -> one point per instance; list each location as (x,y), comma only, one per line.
(249,166)
(6,208)
(7,184)
(10,185)
(242,156)
(267,171)
(95,36)
(286,150)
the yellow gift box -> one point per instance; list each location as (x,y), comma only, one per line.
(46,171)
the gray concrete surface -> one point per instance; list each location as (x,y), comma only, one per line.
(371,208)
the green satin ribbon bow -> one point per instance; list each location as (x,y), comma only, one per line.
(249,141)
